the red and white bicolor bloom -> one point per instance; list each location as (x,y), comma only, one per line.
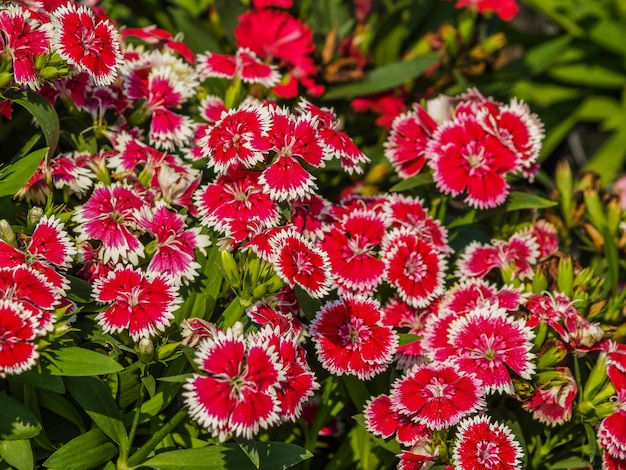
(490,344)
(350,338)
(307,215)
(72,172)
(406,144)
(87,43)
(438,396)
(414,267)
(211,108)
(140,303)
(238,139)
(244,64)
(353,249)
(18,351)
(467,159)
(22,39)
(174,244)
(236,196)
(611,436)
(381,419)
(546,235)
(110,216)
(551,403)
(235,391)
(298,262)
(486,445)
(468,295)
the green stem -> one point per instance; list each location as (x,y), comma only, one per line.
(133,427)
(157,437)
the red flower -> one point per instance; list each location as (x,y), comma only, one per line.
(22,39)
(505,9)
(297,261)
(89,44)
(141,303)
(349,338)
(18,352)
(438,396)
(244,64)
(51,242)
(552,402)
(235,392)
(381,419)
(485,445)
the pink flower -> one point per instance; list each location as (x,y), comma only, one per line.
(50,242)
(297,261)
(235,391)
(352,247)
(110,216)
(22,38)
(307,215)
(505,9)
(414,267)
(244,64)
(490,344)
(89,44)
(466,158)
(142,303)
(485,445)
(438,396)
(551,403)
(406,145)
(238,139)
(349,338)
(18,352)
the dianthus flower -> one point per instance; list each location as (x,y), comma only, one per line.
(350,339)
(18,352)
(485,445)
(381,419)
(244,64)
(88,44)
(235,391)
(551,403)
(140,303)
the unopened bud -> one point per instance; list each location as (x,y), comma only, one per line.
(237,328)
(230,269)
(145,349)
(34,216)
(5,79)
(49,72)
(6,232)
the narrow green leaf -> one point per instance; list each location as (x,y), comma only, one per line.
(609,160)
(273,456)
(16,420)
(383,78)
(83,452)
(43,112)
(412,182)
(18,454)
(612,258)
(80,290)
(609,34)
(357,390)
(232,314)
(42,380)
(77,362)
(541,57)
(249,448)
(96,399)
(519,200)
(592,75)
(408,338)
(63,407)
(570,462)
(16,175)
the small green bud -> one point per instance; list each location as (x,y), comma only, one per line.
(34,216)
(49,72)
(166,350)
(6,232)
(230,268)
(259,291)
(5,78)
(145,349)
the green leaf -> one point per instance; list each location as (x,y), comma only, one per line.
(612,258)
(16,175)
(571,462)
(273,456)
(16,420)
(95,398)
(609,34)
(43,112)
(232,314)
(608,161)
(83,452)
(357,390)
(63,407)
(519,200)
(42,380)
(77,362)
(407,338)
(249,448)
(540,58)
(412,182)
(588,75)
(383,78)
(80,290)
(18,454)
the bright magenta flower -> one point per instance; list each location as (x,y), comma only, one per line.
(352,246)
(414,267)
(89,44)
(438,396)
(405,147)
(483,445)
(50,242)
(110,216)
(490,344)
(350,339)
(244,64)
(297,261)
(505,9)
(235,392)
(552,402)
(22,39)
(141,303)
(18,352)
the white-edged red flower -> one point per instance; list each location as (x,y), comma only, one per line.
(490,344)
(89,44)
(244,64)
(22,39)
(381,419)
(481,444)
(350,338)
(234,392)
(414,267)
(18,352)
(140,303)
(110,216)
(552,402)
(298,262)
(437,395)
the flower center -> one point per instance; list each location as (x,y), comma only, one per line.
(436,388)
(415,268)
(487,454)
(353,333)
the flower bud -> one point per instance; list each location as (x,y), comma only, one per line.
(5,79)
(145,349)
(237,328)
(230,269)
(6,232)
(34,216)
(166,350)
(49,72)
(259,291)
